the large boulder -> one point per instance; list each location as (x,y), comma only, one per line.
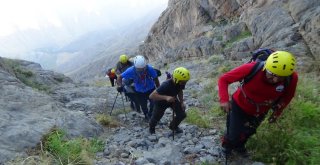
(28,113)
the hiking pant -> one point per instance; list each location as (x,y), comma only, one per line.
(240,126)
(160,108)
(134,101)
(112,80)
(142,99)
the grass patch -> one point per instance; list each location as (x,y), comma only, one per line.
(208,114)
(204,118)
(242,35)
(215,59)
(119,111)
(56,149)
(24,75)
(71,151)
(107,120)
(195,117)
(23,72)
(102,83)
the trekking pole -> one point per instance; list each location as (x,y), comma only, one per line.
(125,113)
(227,125)
(114,103)
(173,109)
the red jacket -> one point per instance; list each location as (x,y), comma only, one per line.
(111,75)
(257,89)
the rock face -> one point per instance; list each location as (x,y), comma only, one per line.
(234,28)
(31,104)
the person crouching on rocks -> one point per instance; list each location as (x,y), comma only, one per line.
(170,94)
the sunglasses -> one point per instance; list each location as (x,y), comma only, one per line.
(183,82)
(274,75)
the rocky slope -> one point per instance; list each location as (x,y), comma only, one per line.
(33,100)
(233,28)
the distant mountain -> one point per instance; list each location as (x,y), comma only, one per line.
(80,39)
(91,61)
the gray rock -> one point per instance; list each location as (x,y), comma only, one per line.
(141,161)
(29,113)
(169,152)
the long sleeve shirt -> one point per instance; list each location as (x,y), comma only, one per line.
(111,75)
(257,95)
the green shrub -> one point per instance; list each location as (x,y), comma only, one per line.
(22,72)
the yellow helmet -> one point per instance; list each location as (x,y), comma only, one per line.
(123,58)
(281,63)
(113,71)
(181,74)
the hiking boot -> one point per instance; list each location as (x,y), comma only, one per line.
(146,118)
(138,109)
(178,130)
(132,106)
(242,152)
(226,152)
(152,130)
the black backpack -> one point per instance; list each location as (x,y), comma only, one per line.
(158,72)
(260,54)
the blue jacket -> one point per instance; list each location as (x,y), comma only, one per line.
(143,81)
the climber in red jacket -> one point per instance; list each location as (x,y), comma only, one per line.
(112,76)
(272,87)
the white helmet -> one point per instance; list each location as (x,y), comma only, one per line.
(140,62)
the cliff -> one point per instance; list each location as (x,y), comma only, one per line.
(233,28)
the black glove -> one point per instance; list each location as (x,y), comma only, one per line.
(120,89)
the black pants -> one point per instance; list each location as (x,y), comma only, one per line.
(158,112)
(112,80)
(240,126)
(142,99)
(134,100)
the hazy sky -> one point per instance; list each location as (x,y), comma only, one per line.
(36,14)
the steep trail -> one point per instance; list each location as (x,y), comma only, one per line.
(131,143)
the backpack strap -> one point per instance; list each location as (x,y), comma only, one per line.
(257,67)
(145,72)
